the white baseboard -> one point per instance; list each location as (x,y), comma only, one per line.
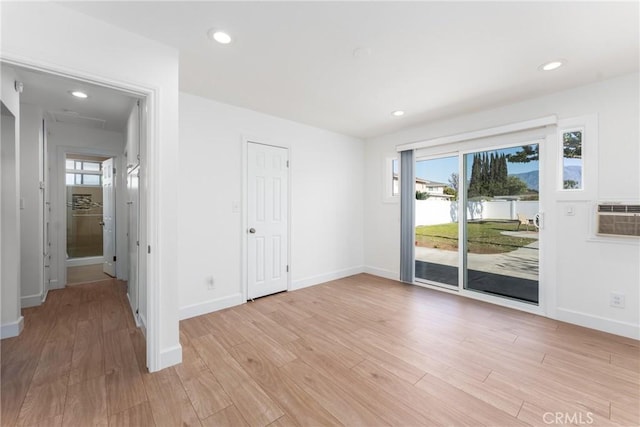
(31,301)
(12,329)
(327,277)
(54,285)
(170,357)
(387,274)
(604,324)
(210,306)
(92,260)
(143,324)
(136,317)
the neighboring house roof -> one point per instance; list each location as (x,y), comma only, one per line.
(431,183)
(425,181)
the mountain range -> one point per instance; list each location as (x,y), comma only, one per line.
(573,173)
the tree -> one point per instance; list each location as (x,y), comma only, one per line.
(475,183)
(421,195)
(450,191)
(454,180)
(489,175)
(572,145)
(528,153)
(515,186)
(570,184)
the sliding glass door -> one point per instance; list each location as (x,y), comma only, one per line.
(501,222)
(476,218)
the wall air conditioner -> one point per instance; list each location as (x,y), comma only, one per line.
(617,219)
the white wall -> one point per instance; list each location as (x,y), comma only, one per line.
(81,140)
(11,318)
(583,270)
(50,36)
(31,278)
(326,200)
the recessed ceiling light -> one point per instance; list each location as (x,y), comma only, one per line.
(553,65)
(362,52)
(79,94)
(398,113)
(219,36)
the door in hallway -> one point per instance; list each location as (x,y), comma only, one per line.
(108,218)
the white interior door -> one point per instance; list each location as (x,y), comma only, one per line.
(133,237)
(267,219)
(108,218)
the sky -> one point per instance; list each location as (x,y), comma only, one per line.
(440,170)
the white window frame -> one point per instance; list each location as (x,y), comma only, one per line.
(588,124)
(561,133)
(387,177)
(83,172)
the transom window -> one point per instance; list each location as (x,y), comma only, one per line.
(83,172)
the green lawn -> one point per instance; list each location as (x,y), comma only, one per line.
(484,237)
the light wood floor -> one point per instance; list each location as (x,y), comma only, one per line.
(361,351)
(86,274)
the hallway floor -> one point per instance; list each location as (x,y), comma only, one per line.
(79,360)
(86,274)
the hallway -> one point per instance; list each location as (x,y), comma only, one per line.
(80,358)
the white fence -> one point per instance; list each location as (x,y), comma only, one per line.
(433,211)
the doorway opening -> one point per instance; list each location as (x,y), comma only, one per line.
(85,200)
(91,148)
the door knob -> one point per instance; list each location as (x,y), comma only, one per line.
(252,230)
(101,223)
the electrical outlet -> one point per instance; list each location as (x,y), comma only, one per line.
(616,300)
(211,284)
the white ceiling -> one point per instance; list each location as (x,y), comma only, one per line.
(432,59)
(104,108)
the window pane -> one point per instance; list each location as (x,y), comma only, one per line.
(69,164)
(70,179)
(91,179)
(78,165)
(395,185)
(78,179)
(91,166)
(501,245)
(572,160)
(436,219)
